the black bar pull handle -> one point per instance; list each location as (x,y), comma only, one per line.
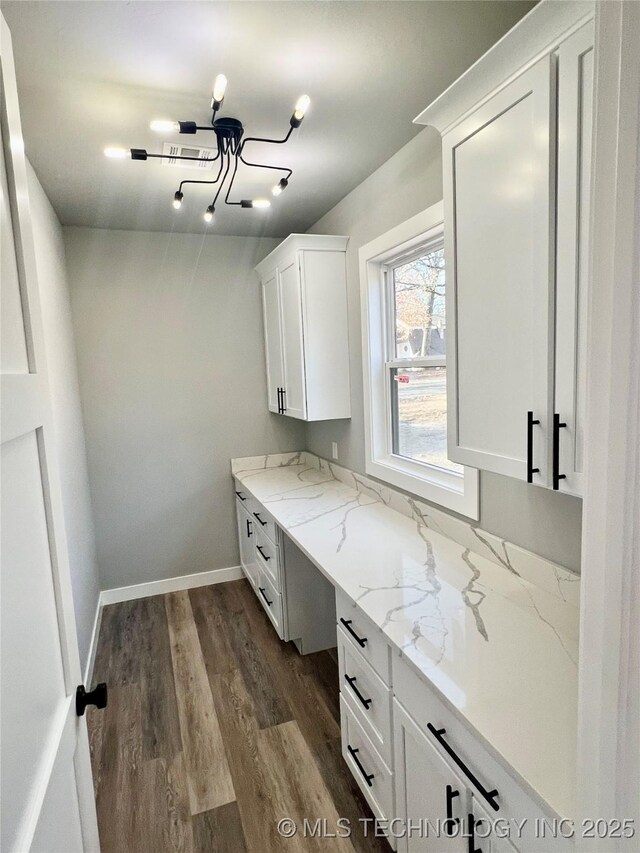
(241,496)
(367,776)
(361,641)
(265,556)
(98,697)
(264,595)
(490,796)
(451,823)
(279,401)
(471,835)
(284,400)
(257,516)
(351,681)
(531,422)
(249,530)
(557,476)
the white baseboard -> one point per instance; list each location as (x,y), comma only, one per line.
(144,590)
(93,645)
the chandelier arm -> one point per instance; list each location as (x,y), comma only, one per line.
(233,177)
(193,181)
(264,166)
(226,172)
(261,139)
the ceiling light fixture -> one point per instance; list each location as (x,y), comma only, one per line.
(230,141)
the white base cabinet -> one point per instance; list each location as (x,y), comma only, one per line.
(304,296)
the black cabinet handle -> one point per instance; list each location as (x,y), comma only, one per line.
(367,776)
(471,835)
(239,494)
(263,594)
(266,556)
(557,476)
(98,697)
(249,530)
(284,400)
(351,681)
(530,469)
(361,641)
(263,523)
(279,401)
(490,796)
(451,823)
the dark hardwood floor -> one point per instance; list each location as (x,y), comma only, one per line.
(215,730)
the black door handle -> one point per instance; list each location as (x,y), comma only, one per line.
(263,523)
(367,776)
(530,469)
(361,641)
(265,556)
(490,796)
(351,681)
(557,476)
(249,531)
(239,494)
(284,400)
(279,401)
(263,594)
(451,822)
(97,696)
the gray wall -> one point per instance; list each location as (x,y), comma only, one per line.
(170,353)
(67,414)
(546,522)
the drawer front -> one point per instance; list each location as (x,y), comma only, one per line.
(513,801)
(265,522)
(271,600)
(374,778)
(245,498)
(268,556)
(367,695)
(366,637)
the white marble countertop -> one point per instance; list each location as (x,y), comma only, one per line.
(501,651)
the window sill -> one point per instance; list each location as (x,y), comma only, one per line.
(459,494)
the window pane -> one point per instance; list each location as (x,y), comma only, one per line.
(418,295)
(419,415)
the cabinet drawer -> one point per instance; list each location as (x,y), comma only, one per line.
(374,778)
(268,556)
(245,498)
(366,637)
(482,772)
(271,600)
(366,694)
(265,522)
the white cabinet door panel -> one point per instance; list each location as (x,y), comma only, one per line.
(246,540)
(292,339)
(498,207)
(575,107)
(272,340)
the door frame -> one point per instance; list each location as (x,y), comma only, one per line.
(609,685)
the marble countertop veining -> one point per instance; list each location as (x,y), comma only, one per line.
(501,651)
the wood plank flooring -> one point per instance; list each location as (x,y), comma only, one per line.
(215,730)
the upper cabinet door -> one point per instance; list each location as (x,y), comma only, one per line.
(272,340)
(498,187)
(575,107)
(292,339)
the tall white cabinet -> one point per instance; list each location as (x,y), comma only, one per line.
(304,294)
(516,138)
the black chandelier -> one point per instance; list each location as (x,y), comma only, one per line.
(230,151)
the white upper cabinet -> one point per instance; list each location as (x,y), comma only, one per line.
(516,137)
(304,293)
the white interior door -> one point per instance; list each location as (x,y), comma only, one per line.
(575,120)
(272,340)
(46,786)
(498,171)
(292,339)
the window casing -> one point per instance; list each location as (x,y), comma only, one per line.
(404,380)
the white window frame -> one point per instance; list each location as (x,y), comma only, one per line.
(458,492)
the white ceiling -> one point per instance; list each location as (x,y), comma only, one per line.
(92,74)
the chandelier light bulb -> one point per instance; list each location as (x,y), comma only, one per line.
(260,203)
(165,126)
(301,107)
(208,214)
(219,88)
(279,187)
(115,153)
(177,200)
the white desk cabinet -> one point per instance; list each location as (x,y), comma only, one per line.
(304,296)
(516,137)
